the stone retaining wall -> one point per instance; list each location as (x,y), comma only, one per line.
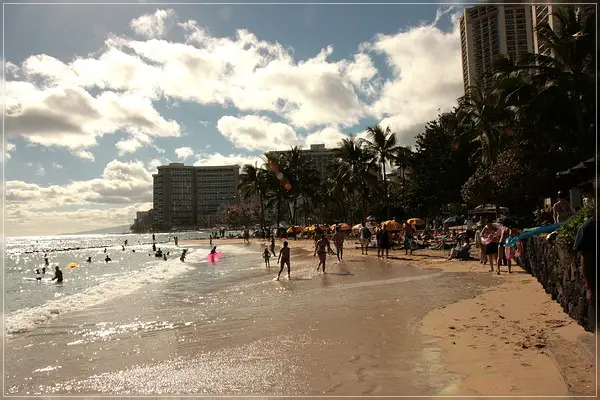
(559,273)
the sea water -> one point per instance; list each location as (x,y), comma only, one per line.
(144,326)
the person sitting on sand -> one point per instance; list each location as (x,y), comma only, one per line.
(58,275)
(284,257)
(266,255)
(322,247)
(338,241)
(461,251)
(365,239)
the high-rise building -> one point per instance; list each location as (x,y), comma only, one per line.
(190,196)
(547,14)
(320,158)
(490,30)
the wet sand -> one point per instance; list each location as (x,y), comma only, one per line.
(367,327)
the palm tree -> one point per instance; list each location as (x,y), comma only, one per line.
(276,181)
(356,170)
(402,160)
(483,118)
(301,176)
(382,143)
(253,184)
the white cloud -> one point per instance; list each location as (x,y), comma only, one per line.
(8,148)
(86,155)
(184,152)
(152,25)
(242,71)
(22,221)
(11,70)
(330,137)
(121,183)
(69,116)
(254,132)
(421,84)
(231,159)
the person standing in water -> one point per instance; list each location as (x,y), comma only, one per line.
(365,239)
(284,257)
(46,262)
(183,253)
(338,241)
(38,276)
(321,248)
(267,256)
(58,275)
(273,246)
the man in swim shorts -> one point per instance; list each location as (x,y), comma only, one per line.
(284,258)
(365,239)
(408,231)
(338,241)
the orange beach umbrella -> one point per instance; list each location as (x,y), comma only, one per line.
(392,226)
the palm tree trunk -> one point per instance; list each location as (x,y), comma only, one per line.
(262,211)
(387,200)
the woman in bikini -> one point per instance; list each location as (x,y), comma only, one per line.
(321,248)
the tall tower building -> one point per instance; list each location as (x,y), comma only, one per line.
(190,196)
(490,30)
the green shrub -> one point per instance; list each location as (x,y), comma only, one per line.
(567,232)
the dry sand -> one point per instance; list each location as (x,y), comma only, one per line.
(511,340)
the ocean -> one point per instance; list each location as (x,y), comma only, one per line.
(139,325)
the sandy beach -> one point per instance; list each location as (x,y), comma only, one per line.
(509,339)
(410,325)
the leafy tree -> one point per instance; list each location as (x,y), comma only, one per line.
(382,144)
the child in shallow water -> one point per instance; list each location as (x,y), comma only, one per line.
(267,255)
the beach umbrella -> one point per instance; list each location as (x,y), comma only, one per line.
(416,221)
(294,229)
(345,227)
(392,226)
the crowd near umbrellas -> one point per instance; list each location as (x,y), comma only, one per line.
(295,229)
(392,226)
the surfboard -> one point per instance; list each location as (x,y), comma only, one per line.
(34,279)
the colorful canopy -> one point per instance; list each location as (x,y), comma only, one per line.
(392,226)
(294,229)
(343,227)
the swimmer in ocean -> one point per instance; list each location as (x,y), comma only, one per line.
(182,258)
(214,250)
(58,275)
(107,259)
(46,262)
(38,277)
(43,270)
(89,260)
(284,256)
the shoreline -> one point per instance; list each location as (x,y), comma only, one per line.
(517,340)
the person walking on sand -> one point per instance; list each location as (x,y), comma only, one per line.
(479,245)
(378,232)
(489,237)
(266,256)
(384,243)
(365,239)
(284,259)
(273,246)
(408,231)
(338,241)
(322,247)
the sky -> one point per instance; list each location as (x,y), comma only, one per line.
(97,96)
